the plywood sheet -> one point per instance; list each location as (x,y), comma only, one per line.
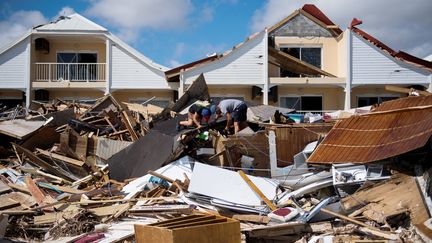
(19,128)
(228,185)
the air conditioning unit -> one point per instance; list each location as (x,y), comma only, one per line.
(42,45)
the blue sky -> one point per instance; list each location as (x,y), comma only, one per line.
(174,32)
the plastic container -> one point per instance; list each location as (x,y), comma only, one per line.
(298,118)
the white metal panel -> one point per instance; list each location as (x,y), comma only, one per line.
(13,66)
(371,65)
(129,72)
(73,22)
(243,65)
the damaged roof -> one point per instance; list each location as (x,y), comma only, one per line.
(73,22)
(315,14)
(395,129)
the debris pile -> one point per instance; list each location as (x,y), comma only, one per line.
(111,172)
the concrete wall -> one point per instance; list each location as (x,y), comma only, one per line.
(127,95)
(59,46)
(333,98)
(75,94)
(301,26)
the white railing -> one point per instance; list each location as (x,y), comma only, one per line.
(74,72)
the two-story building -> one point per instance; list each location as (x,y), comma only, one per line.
(74,58)
(307,62)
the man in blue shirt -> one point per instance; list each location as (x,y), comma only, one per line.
(233,110)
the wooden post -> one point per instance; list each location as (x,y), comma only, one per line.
(257,191)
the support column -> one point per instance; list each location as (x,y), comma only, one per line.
(430,84)
(272,154)
(27,78)
(349,71)
(265,89)
(108,62)
(347,98)
(181,85)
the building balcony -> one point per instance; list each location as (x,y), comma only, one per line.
(73,75)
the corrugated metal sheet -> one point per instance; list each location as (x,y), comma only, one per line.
(375,136)
(372,65)
(404,103)
(292,139)
(129,72)
(242,65)
(13,66)
(106,147)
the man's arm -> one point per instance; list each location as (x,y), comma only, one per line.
(196,121)
(228,118)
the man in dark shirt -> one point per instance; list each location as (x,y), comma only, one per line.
(196,115)
(234,110)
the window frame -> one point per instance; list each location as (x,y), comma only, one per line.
(379,96)
(300,96)
(302,46)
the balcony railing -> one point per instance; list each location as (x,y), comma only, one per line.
(73,72)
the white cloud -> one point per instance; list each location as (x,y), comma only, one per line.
(18,23)
(174,63)
(180,49)
(65,11)
(401,24)
(138,14)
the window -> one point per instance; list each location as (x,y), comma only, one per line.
(84,68)
(371,100)
(311,55)
(302,103)
(156,102)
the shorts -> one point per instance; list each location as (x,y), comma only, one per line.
(240,113)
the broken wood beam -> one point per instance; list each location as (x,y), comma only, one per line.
(61,157)
(257,191)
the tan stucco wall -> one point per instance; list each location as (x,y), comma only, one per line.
(245,92)
(11,94)
(329,45)
(75,94)
(342,54)
(55,47)
(126,95)
(333,98)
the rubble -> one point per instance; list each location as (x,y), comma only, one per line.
(112,172)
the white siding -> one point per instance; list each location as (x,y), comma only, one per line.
(13,66)
(371,65)
(243,65)
(128,72)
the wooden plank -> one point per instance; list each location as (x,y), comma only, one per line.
(19,187)
(126,121)
(7,203)
(160,176)
(257,191)
(38,195)
(106,210)
(252,218)
(61,157)
(61,188)
(4,187)
(33,159)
